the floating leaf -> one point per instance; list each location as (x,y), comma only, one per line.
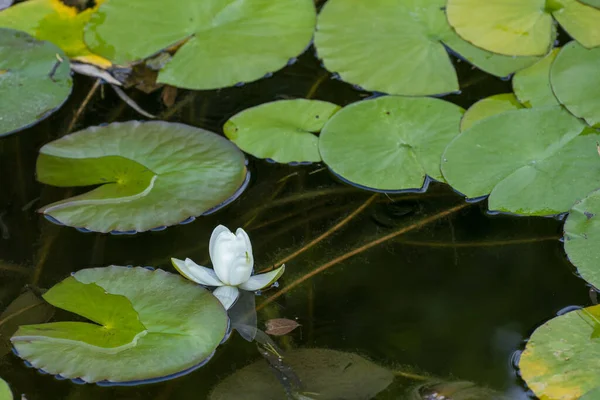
(28,308)
(593,3)
(401,138)
(280,326)
(487,107)
(532,84)
(282,131)
(582,235)
(152,174)
(524,27)
(561,360)
(576,81)
(225,41)
(55,22)
(148,325)
(33,82)
(399,47)
(5,392)
(534,161)
(593,394)
(325,374)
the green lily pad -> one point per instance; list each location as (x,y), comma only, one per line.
(561,359)
(530,161)
(401,139)
(576,81)
(5,392)
(593,394)
(281,130)
(403,52)
(33,82)
(146,324)
(532,84)
(582,235)
(225,41)
(593,3)
(487,107)
(326,375)
(525,27)
(153,174)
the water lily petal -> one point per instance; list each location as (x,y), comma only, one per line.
(213,239)
(242,235)
(227,295)
(196,273)
(261,281)
(231,256)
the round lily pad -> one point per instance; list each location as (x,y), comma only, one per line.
(399,47)
(562,357)
(152,174)
(487,107)
(532,84)
(5,392)
(524,27)
(33,81)
(576,81)
(326,374)
(530,160)
(389,143)
(147,324)
(282,131)
(582,237)
(224,41)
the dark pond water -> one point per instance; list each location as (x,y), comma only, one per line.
(454,298)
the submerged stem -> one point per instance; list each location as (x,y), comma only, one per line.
(84,104)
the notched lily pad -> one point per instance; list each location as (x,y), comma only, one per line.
(487,107)
(582,237)
(34,82)
(282,131)
(530,161)
(532,84)
(389,143)
(561,358)
(152,174)
(404,51)
(147,325)
(576,81)
(224,41)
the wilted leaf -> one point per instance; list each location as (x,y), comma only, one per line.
(280,326)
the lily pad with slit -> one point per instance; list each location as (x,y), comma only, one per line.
(562,357)
(33,81)
(144,325)
(532,84)
(582,238)
(223,42)
(576,81)
(487,107)
(283,131)
(150,174)
(389,143)
(523,27)
(399,47)
(533,161)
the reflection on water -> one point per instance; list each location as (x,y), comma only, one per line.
(404,282)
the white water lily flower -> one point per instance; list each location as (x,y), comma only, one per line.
(233,263)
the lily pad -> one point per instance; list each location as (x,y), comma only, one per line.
(403,51)
(532,84)
(582,236)
(146,325)
(281,130)
(487,107)
(225,41)
(530,160)
(152,174)
(400,138)
(325,374)
(593,3)
(33,82)
(561,358)
(5,392)
(576,81)
(55,22)
(524,27)
(593,394)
